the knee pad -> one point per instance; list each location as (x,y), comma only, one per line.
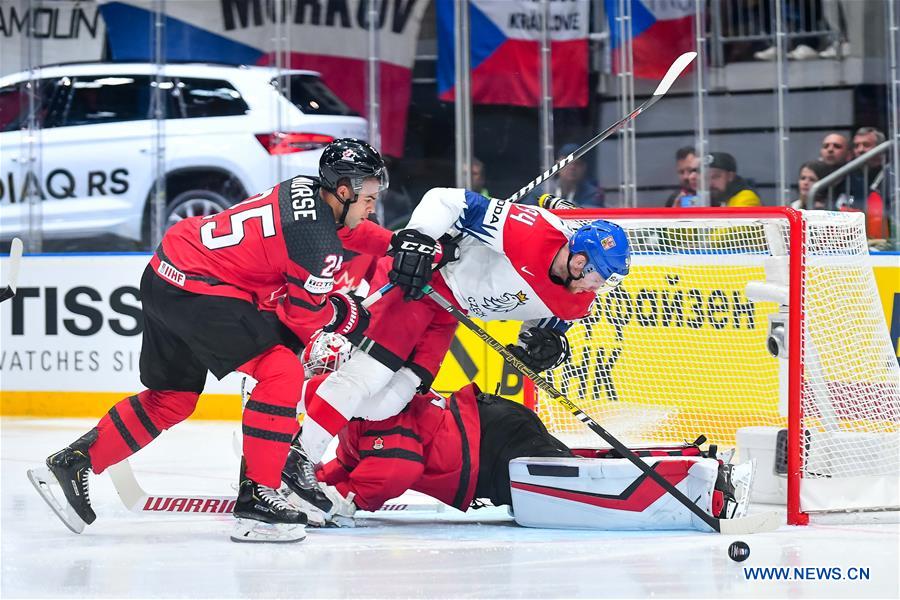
(168,408)
(279,376)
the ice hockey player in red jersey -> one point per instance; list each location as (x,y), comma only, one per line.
(453,449)
(205,294)
(514,262)
(458,450)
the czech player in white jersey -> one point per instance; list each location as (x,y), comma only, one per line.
(512,262)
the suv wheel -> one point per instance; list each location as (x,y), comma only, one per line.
(195,203)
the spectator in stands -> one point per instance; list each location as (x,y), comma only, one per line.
(726,187)
(479,178)
(840,15)
(864,140)
(811,172)
(800,17)
(573,184)
(867,189)
(835,151)
(687,167)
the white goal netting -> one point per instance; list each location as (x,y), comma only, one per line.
(680,349)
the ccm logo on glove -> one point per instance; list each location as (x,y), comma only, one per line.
(409,246)
(413,254)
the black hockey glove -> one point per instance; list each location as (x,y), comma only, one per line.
(541,348)
(350,318)
(413,254)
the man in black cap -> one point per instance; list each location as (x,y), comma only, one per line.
(726,187)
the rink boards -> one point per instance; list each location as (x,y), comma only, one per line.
(70,341)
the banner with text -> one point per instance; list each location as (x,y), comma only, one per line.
(70,340)
(505,50)
(39,33)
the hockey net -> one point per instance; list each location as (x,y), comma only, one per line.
(682,347)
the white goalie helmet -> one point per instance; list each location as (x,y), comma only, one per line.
(325,353)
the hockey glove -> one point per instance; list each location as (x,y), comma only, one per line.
(350,318)
(413,254)
(541,348)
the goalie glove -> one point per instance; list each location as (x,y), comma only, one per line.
(541,348)
(413,255)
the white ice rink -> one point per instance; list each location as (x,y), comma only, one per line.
(478,555)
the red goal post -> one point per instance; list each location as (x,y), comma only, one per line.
(661,360)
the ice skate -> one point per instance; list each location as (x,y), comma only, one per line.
(300,477)
(263,515)
(67,471)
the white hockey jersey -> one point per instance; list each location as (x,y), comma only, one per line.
(506,251)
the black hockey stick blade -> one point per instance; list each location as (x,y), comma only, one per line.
(742,525)
(12,270)
(671,75)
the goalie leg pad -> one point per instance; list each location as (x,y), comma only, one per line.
(338,399)
(612,494)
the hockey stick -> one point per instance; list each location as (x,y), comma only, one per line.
(672,74)
(138,500)
(12,268)
(769,521)
(377,294)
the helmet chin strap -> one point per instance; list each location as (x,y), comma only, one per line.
(346,208)
(570,278)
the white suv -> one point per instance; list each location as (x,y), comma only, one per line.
(229,133)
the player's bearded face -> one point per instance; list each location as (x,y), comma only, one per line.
(582,281)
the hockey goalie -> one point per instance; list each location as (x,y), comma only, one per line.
(473,446)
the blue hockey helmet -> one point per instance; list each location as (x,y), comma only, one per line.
(607,249)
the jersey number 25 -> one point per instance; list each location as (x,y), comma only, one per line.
(237,219)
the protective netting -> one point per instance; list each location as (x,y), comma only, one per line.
(680,349)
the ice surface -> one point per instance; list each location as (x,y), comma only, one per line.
(482,554)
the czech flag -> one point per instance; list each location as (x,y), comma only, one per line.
(660,31)
(505,52)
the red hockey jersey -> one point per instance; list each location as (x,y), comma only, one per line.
(279,249)
(431,447)
(369,241)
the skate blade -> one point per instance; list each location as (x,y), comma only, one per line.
(317,517)
(45,482)
(250,530)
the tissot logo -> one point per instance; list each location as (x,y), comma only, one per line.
(81,310)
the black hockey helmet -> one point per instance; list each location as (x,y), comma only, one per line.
(352,159)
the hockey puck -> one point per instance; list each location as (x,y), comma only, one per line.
(739,551)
